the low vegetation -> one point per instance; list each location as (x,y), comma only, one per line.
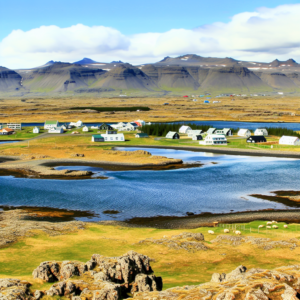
(127,108)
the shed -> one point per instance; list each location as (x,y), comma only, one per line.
(97,138)
(105,126)
(191,133)
(50,124)
(184,129)
(261,131)
(244,132)
(211,130)
(197,137)
(141,135)
(289,140)
(256,139)
(36,130)
(173,135)
(85,129)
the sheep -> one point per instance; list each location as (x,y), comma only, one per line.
(269,223)
(274,222)
(226,230)
(261,226)
(269,227)
(238,232)
(285,226)
(211,232)
(275,226)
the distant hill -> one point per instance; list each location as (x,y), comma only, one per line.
(85,61)
(184,73)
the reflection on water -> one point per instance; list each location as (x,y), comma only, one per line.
(220,187)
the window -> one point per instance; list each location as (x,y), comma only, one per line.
(111,139)
(116,138)
(106,138)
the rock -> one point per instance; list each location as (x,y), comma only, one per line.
(146,283)
(47,271)
(225,296)
(236,273)
(216,277)
(71,268)
(256,294)
(109,292)
(38,295)
(101,277)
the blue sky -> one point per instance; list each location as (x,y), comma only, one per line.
(143,31)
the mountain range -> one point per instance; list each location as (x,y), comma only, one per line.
(181,74)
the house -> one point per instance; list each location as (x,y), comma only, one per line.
(289,140)
(129,127)
(56,130)
(94,127)
(7,131)
(206,101)
(244,132)
(224,131)
(118,126)
(76,124)
(141,135)
(191,133)
(36,130)
(261,131)
(105,126)
(140,123)
(64,127)
(185,96)
(211,130)
(256,139)
(85,129)
(113,137)
(214,139)
(50,124)
(97,138)
(173,135)
(197,137)
(16,126)
(184,129)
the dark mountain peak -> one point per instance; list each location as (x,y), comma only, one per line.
(165,59)
(117,62)
(85,61)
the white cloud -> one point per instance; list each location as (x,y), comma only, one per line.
(262,35)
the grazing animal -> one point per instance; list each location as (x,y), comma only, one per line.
(285,226)
(261,226)
(269,227)
(226,230)
(274,222)
(275,226)
(211,232)
(269,223)
(238,232)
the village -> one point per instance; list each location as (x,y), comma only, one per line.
(105,132)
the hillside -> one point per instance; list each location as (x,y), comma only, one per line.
(182,74)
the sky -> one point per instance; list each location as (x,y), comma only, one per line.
(33,32)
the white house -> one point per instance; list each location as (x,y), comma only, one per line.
(244,132)
(214,139)
(191,133)
(56,130)
(289,140)
(173,135)
(36,130)
(50,124)
(118,126)
(17,126)
(184,129)
(261,131)
(224,131)
(197,137)
(85,129)
(116,137)
(76,124)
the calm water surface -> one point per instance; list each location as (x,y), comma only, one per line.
(220,187)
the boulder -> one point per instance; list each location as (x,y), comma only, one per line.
(47,271)
(146,283)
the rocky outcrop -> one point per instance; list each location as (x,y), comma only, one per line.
(14,289)
(101,278)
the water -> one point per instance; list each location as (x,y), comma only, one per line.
(220,187)
(7,142)
(216,124)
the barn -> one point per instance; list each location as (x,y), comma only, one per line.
(184,129)
(256,139)
(289,140)
(261,131)
(97,138)
(244,132)
(173,135)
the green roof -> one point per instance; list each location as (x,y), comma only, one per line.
(51,122)
(98,136)
(142,134)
